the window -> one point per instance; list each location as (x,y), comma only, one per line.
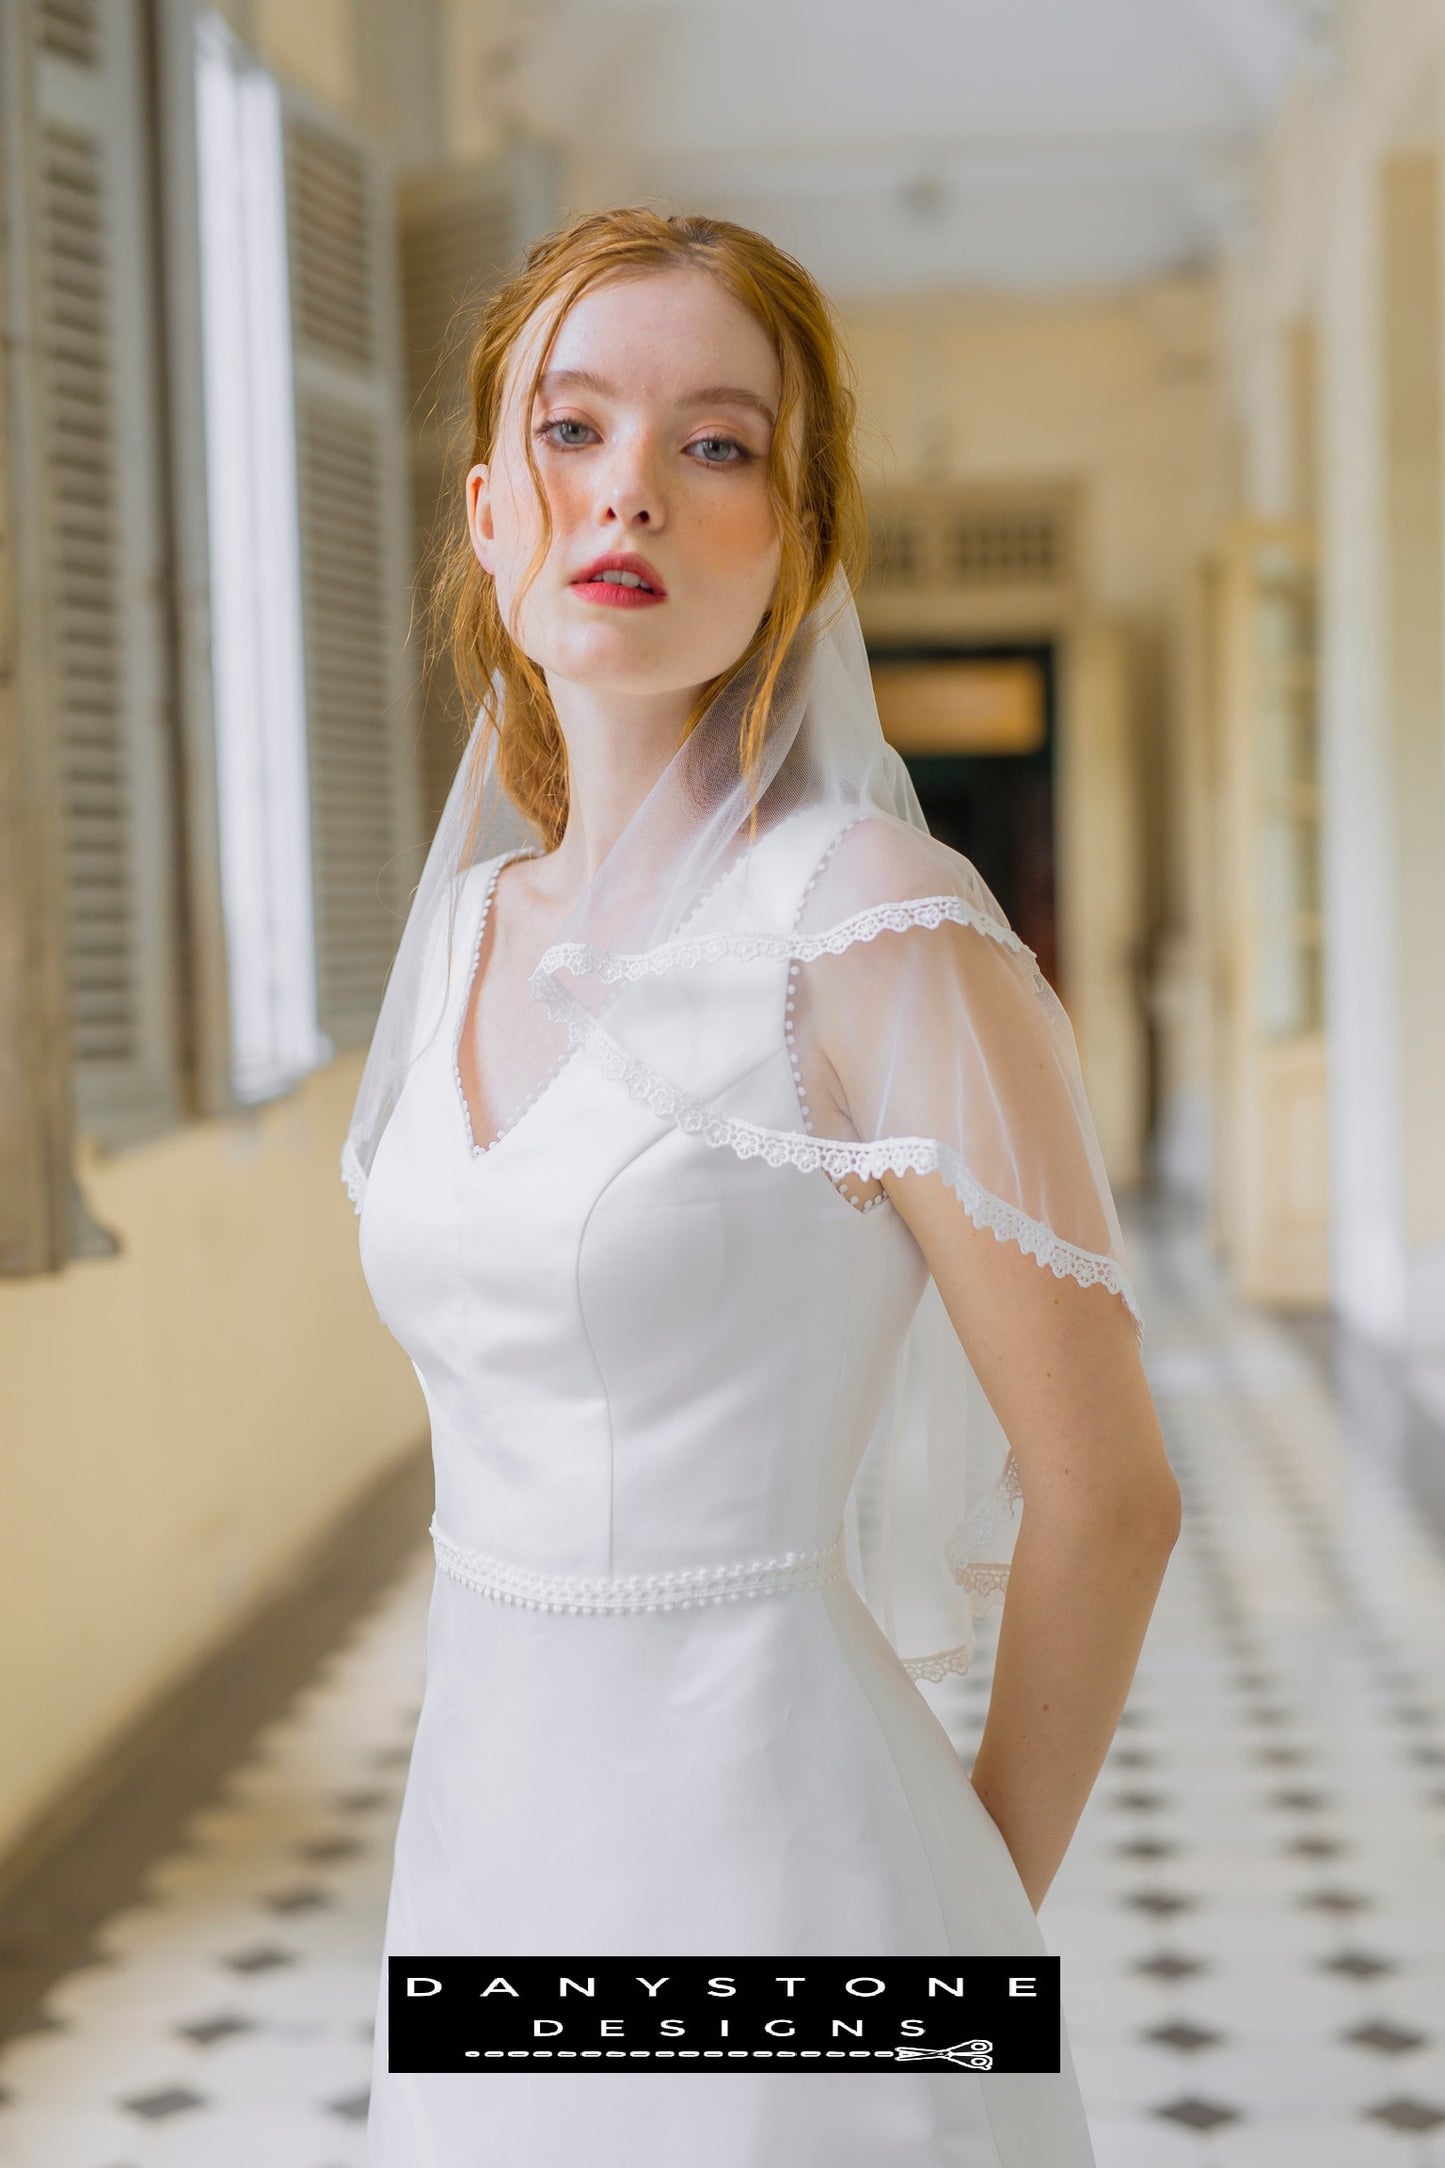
(300,692)
(209,760)
(259,693)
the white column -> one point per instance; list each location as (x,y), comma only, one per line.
(1363,990)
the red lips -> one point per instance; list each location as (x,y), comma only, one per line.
(596,587)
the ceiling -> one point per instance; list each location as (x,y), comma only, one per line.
(929,144)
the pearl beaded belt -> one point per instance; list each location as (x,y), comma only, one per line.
(685,1590)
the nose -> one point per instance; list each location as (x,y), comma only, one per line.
(630,492)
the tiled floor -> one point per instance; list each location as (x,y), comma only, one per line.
(1251,1918)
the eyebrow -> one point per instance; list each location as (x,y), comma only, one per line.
(711,395)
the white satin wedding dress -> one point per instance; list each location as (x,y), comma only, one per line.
(652,1368)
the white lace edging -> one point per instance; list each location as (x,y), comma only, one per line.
(986,1582)
(810,1154)
(931,912)
(689,950)
(353,1174)
(687,1589)
(978,1532)
(939,1665)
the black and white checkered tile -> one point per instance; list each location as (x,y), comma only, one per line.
(1251,1917)
(230,2020)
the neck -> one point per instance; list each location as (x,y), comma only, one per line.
(617,746)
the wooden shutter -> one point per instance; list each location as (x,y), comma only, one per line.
(461,233)
(70,28)
(34,1087)
(104,538)
(356,562)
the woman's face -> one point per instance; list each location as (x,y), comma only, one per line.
(651,432)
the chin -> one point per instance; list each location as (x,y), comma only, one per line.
(616,675)
(624,650)
(649,653)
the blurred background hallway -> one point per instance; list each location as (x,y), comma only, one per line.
(1147,306)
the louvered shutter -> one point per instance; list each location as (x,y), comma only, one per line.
(355,562)
(980,560)
(34,1080)
(106,571)
(462,232)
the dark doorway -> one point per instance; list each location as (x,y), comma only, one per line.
(997,808)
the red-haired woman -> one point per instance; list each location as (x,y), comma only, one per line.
(725,1169)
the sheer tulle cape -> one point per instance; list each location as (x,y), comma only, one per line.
(907,1029)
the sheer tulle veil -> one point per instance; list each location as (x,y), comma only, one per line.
(828,902)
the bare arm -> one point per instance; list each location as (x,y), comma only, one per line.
(1060,1364)
(941,1031)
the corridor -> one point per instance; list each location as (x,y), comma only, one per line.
(1249,1920)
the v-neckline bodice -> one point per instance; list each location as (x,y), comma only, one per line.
(469,992)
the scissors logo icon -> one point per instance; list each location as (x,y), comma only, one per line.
(964,2054)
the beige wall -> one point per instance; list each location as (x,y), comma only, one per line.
(386,67)
(1413,561)
(318,45)
(1321,246)
(1119,393)
(178,1422)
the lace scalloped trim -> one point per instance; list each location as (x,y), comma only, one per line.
(986,1582)
(353,1175)
(687,1589)
(688,951)
(810,1154)
(977,1534)
(931,912)
(940,1664)
(987,1585)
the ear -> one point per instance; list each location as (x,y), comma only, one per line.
(479,517)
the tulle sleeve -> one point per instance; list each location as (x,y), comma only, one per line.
(925,1040)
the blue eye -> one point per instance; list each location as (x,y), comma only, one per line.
(552,430)
(734,454)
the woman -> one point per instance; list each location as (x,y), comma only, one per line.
(709,1151)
